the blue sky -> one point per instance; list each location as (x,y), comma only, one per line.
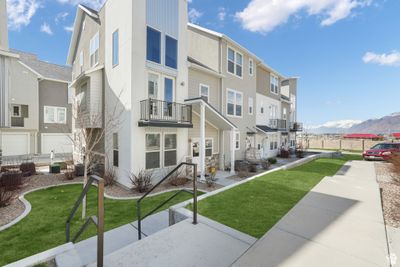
(344,51)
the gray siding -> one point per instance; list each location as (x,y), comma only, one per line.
(163,16)
(196,78)
(264,83)
(211,132)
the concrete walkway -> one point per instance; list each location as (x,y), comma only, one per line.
(338,223)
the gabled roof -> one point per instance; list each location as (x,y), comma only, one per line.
(81,11)
(44,70)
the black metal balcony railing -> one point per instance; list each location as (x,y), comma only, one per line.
(163,111)
(278,124)
(296,126)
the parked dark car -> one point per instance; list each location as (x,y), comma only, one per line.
(383,151)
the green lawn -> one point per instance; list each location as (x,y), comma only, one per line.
(44,227)
(256,206)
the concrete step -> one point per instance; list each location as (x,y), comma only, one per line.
(184,244)
(85,252)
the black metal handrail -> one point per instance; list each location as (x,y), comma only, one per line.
(159,110)
(96,220)
(278,124)
(194,193)
(296,126)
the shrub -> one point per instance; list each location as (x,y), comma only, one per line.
(28,168)
(265,164)
(142,181)
(6,197)
(284,154)
(79,170)
(69,173)
(300,152)
(395,168)
(272,160)
(63,165)
(243,169)
(11,180)
(110,177)
(178,178)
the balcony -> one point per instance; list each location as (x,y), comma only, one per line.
(296,127)
(158,113)
(278,124)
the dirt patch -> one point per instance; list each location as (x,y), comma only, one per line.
(390,194)
(9,213)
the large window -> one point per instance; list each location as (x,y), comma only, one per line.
(153,151)
(170,150)
(251,105)
(171,52)
(153,45)
(115,150)
(234,103)
(274,84)
(115,48)
(55,115)
(235,62)
(94,50)
(204,92)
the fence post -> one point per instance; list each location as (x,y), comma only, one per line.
(322,144)
(363,145)
(340,144)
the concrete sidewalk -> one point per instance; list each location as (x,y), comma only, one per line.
(338,223)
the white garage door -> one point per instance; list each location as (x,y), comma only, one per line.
(60,143)
(15,144)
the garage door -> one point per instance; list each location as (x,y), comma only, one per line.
(60,143)
(15,144)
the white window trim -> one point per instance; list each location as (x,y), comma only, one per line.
(168,150)
(56,119)
(236,141)
(277,79)
(235,104)
(208,90)
(251,67)
(251,104)
(162,48)
(212,145)
(19,111)
(97,35)
(113,48)
(81,59)
(150,151)
(234,65)
(162,150)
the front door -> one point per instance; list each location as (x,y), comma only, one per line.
(196,152)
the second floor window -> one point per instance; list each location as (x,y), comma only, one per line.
(234,103)
(94,50)
(55,115)
(273,112)
(115,48)
(251,67)
(235,63)
(274,84)
(251,105)
(204,92)
(153,45)
(171,52)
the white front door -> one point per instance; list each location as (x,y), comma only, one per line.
(195,152)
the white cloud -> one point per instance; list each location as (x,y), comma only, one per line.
(96,4)
(69,28)
(46,29)
(194,15)
(20,12)
(265,15)
(61,17)
(221,14)
(391,59)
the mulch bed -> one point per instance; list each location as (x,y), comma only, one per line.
(390,194)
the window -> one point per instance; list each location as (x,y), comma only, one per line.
(209,147)
(251,104)
(94,50)
(171,52)
(237,141)
(115,150)
(284,113)
(204,92)
(262,110)
(273,111)
(170,150)
(153,45)
(274,84)
(81,61)
(234,103)
(235,62)
(251,67)
(16,111)
(115,48)
(81,97)
(55,115)
(153,152)
(271,146)
(153,86)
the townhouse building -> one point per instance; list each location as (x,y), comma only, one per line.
(35,111)
(183,92)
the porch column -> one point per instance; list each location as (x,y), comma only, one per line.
(202,141)
(233,145)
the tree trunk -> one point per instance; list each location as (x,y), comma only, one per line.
(85,180)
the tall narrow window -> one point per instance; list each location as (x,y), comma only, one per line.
(209,147)
(237,140)
(115,48)
(153,86)
(239,64)
(251,67)
(153,45)
(235,62)
(171,52)
(251,105)
(231,61)
(81,62)
(170,150)
(153,151)
(115,150)
(94,50)
(274,84)
(204,92)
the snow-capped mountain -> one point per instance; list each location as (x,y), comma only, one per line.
(333,127)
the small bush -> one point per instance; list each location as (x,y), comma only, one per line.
(69,173)
(272,160)
(142,181)
(265,164)
(395,168)
(243,169)
(11,180)
(178,178)
(6,197)
(300,152)
(28,169)
(110,177)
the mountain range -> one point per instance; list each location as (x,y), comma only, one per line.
(385,125)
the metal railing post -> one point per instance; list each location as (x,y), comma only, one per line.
(139,222)
(100,225)
(195,194)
